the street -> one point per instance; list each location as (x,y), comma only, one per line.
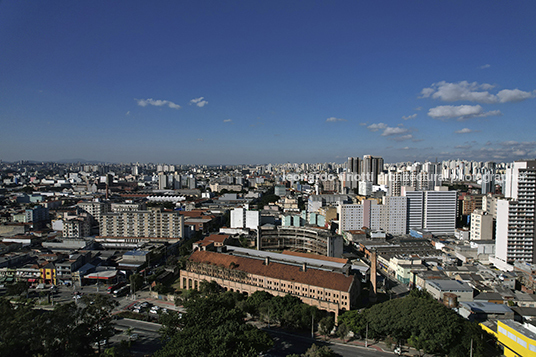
(288,343)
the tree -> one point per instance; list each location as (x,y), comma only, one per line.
(342,331)
(136,282)
(326,325)
(425,323)
(17,289)
(213,326)
(209,287)
(315,351)
(97,317)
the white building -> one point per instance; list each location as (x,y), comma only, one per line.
(244,218)
(143,224)
(434,211)
(389,217)
(396,214)
(515,233)
(365,188)
(350,217)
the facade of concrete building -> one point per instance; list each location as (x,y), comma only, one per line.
(143,224)
(370,168)
(389,217)
(516,230)
(308,239)
(481,225)
(365,188)
(350,217)
(95,209)
(434,211)
(244,218)
(396,215)
(330,291)
(76,225)
(37,214)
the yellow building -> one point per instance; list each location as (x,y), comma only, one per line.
(48,274)
(516,339)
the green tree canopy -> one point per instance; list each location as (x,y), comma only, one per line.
(422,321)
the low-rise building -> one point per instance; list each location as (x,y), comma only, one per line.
(438,288)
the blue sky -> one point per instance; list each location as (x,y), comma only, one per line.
(231,82)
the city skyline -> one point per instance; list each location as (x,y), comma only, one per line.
(241,83)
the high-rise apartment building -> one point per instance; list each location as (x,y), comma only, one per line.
(390,216)
(143,224)
(95,208)
(370,168)
(515,232)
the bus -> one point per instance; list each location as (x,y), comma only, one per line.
(122,291)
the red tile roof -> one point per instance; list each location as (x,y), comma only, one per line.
(220,238)
(316,256)
(314,277)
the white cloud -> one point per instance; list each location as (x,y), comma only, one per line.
(200,102)
(485,66)
(465,131)
(394,131)
(127,113)
(157,103)
(405,137)
(227,120)
(334,120)
(376,127)
(413,116)
(462,112)
(451,92)
(473,92)
(514,95)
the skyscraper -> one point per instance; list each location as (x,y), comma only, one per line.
(515,233)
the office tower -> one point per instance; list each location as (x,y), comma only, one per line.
(488,182)
(370,168)
(515,232)
(352,168)
(434,211)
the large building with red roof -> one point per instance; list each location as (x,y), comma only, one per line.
(323,288)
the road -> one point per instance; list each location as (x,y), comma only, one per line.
(287,343)
(149,338)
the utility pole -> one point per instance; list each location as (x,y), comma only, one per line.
(366,336)
(471,355)
(313,326)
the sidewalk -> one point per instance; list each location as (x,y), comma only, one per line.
(377,345)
